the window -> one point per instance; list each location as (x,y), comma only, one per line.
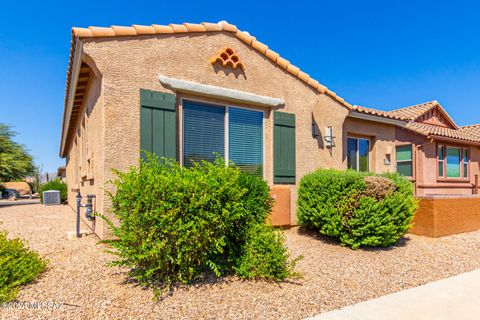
(452,162)
(358,154)
(404,160)
(441,160)
(235,134)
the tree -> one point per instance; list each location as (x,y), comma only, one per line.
(15,161)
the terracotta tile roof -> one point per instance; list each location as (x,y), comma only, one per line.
(433,130)
(406,114)
(412,113)
(472,130)
(139,30)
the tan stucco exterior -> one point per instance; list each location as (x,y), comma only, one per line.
(125,65)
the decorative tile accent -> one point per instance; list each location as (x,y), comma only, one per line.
(227,57)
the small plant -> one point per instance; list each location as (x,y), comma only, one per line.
(178,224)
(18,266)
(359,209)
(265,256)
(56,184)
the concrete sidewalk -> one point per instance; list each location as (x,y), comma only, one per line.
(452,298)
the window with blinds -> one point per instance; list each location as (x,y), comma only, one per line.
(204,135)
(203,132)
(246,140)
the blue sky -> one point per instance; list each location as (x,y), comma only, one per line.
(382,54)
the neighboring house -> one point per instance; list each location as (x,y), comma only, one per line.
(191,90)
(438,156)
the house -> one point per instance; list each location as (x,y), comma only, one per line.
(187,91)
(438,156)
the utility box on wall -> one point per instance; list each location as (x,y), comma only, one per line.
(280,215)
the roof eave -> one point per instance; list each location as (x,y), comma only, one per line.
(370,117)
(454,140)
(67,111)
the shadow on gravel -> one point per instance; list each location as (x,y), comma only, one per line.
(303,231)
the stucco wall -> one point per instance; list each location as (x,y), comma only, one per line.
(128,64)
(382,142)
(90,178)
(425,164)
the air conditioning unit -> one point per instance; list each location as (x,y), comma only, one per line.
(51,197)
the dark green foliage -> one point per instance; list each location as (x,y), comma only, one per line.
(18,266)
(15,162)
(264,255)
(177,224)
(56,184)
(359,209)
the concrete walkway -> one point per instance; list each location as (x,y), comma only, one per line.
(452,298)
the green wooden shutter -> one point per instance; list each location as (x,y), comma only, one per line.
(158,129)
(283,147)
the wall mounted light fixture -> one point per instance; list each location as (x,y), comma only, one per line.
(329,137)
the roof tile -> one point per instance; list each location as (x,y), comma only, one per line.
(124,31)
(293,69)
(102,32)
(272,55)
(245,37)
(284,63)
(259,46)
(228,27)
(162,29)
(81,32)
(193,27)
(144,29)
(178,28)
(212,26)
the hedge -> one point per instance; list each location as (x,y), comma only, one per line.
(178,224)
(18,266)
(358,209)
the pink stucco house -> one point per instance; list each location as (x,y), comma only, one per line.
(437,155)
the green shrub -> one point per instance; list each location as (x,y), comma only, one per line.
(18,266)
(176,224)
(56,184)
(265,256)
(359,209)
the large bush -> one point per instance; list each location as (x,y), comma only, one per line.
(176,223)
(18,266)
(56,184)
(359,209)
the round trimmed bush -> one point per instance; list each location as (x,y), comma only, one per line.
(358,209)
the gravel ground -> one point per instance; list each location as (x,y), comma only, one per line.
(334,276)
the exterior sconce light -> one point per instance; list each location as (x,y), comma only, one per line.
(329,137)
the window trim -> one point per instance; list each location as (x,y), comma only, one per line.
(358,151)
(404,161)
(181,129)
(462,178)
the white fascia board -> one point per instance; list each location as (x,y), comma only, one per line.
(77,61)
(370,117)
(220,92)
